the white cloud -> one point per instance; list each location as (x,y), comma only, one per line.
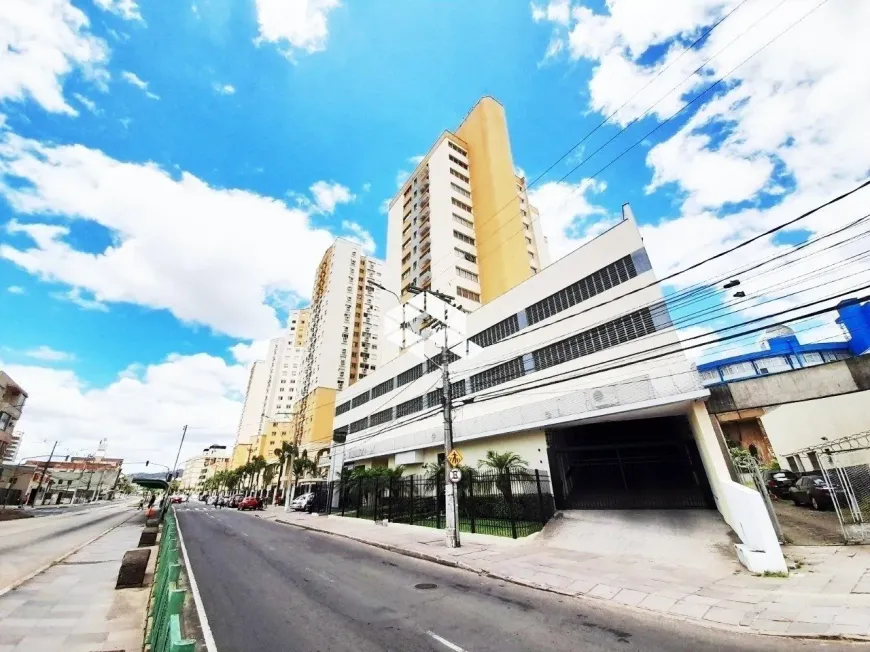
(211,256)
(141,412)
(785,133)
(43,42)
(224,89)
(126,9)
(295,24)
(357,233)
(329,194)
(416,160)
(48,354)
(16,289)
(90,105)
(366,187)
(568,217)
(76,296)
(138,82)
(246,353)
(384,206)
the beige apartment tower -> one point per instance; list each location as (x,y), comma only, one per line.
(462,224)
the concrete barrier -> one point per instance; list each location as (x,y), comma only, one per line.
(132,571)
(148,537)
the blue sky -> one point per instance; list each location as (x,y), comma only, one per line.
(171,172)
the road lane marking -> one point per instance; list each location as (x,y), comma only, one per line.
(197,598)
(445,642)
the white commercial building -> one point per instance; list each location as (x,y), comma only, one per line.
(581,373)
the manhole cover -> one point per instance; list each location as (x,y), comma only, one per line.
(425,585)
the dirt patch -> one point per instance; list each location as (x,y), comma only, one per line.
(14,514)
(804,526)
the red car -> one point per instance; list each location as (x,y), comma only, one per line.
(247,503)
(176,499)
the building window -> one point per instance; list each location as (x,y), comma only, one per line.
(604,279)
(613,333)
(460,204)
(459,175)
(409,407)
(471,258)
(384,387)
(710,376)
(381,417)
(467,294)
(356,401)
(497,375)
(461,164)
(457,148)
(496,332)
(464,273)
(362,424)
(814,461)
(344,407)
(811,359)
(738,370)
(772,365)
(462,191)
(464,238)
(410,375)
(461,220)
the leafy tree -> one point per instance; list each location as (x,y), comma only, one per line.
(268,474)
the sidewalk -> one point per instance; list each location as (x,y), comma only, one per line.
(827,595)
(74,607)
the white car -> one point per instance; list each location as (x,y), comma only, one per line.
(300,503)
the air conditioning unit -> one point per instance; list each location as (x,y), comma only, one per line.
(603,397)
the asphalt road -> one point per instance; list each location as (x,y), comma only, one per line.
(271,587)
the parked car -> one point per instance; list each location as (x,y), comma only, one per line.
(234,501)
(176,499)
(779,482)
(301,503)
(814,491)
(248,503)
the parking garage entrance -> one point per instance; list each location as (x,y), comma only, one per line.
(632,464)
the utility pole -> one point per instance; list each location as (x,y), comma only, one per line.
(178,454)
(42,475)
(451,506)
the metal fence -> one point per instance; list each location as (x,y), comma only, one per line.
(844,466)
(167,599)
(514,504)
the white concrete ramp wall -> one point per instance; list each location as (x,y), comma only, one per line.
(760,551)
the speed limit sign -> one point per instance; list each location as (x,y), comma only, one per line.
(455,475)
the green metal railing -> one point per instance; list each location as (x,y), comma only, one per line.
(166,598)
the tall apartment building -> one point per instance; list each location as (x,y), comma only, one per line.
(462,224)
(252,410)
(343,339)
(284,360)
(200,468)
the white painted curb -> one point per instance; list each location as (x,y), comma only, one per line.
(197,598)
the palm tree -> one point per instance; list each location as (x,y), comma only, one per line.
(285,454)
(504,465)
(301,466)
(258,464)
(268,475)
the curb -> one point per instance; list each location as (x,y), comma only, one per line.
(580,596)
(59,559)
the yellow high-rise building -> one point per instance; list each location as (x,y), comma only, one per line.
(462,224)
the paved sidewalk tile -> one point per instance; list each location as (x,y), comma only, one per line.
(74,607)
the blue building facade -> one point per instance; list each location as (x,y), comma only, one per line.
(781,351)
